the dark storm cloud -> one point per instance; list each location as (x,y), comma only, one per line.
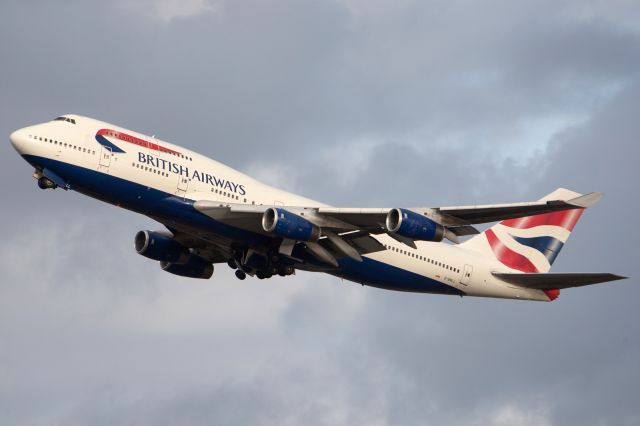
(349,102)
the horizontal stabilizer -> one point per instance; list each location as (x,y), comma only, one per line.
(556,281)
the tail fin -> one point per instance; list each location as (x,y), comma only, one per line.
(532,243)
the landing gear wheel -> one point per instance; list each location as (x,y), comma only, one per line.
(240,274)
(283,271)
(46,183)
(263,275)
(232,264)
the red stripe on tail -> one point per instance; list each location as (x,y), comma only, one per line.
(507,256)
(566,219)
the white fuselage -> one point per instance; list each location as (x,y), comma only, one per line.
(162,167)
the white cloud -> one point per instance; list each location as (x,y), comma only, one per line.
(169,10)
(386,102)
(511,415)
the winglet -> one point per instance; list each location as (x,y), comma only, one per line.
(586,200)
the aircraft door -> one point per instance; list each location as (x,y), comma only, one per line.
(466,274)
(105,158)
(183,185)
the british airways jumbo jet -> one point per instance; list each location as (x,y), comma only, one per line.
(214,214)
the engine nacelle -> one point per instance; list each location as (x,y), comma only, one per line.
(413,225)
(195,267)
(288,225)
(159,246)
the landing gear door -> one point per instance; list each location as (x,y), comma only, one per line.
(466,274)
(105,158)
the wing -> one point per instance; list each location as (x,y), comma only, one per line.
(463,216)
(348,231)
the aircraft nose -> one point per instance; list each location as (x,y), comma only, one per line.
(17,139)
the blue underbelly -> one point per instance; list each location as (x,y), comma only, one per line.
(169,209)
(382,275)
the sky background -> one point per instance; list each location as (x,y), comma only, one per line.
(354,103)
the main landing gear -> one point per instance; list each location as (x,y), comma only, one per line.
(260,266)
(46,183)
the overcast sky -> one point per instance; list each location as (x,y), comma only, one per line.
(351,102)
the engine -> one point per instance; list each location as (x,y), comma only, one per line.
(194,267)
(413,225)
(288,225)
(160,246)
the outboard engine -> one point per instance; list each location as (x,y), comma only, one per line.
(409,224)
(289,225)
(161,246)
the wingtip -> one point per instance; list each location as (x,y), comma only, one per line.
(586,200)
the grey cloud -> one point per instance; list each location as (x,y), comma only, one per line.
(359,103)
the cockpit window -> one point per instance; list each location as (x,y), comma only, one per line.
(67,119)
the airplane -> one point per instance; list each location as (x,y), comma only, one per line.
(214,214)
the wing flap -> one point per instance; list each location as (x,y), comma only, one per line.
(556,281)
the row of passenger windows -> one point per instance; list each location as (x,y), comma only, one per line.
(423,258)
(62,144)
(165,174)
(150,169)
(228,194)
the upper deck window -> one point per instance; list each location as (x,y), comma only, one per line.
(67,119)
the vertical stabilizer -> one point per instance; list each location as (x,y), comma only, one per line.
(532,243)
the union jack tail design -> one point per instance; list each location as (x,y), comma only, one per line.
(532,243)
